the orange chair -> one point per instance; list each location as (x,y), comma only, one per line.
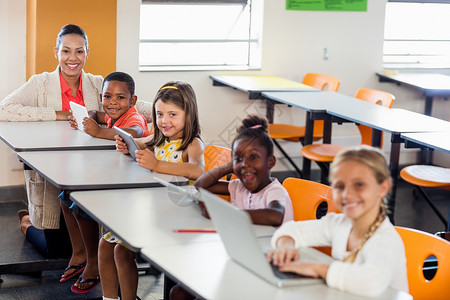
(428,176)
(323,154)
(419,246)
(308,198)
(216,156)
(297,133)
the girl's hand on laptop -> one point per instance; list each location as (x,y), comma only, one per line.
(120,145)
(306,268)
(283,255)
(146,159)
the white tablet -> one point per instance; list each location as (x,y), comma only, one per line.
(129,140)
(79,112)
(180,196)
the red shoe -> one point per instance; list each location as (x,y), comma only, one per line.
(78,269)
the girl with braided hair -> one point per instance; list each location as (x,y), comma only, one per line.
(369,254)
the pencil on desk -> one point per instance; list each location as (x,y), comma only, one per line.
(196,230)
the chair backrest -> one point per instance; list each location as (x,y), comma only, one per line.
(306,196)
(322,81)
(375,97)
(216,156)
(419,246)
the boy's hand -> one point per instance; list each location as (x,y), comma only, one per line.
(91,127)
(120,145)
(146,159)
(92,114)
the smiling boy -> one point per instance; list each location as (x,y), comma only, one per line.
(118,101)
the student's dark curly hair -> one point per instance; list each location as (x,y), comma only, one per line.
(122,77)
(255,127)
(70,29)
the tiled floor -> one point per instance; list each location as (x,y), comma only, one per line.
(410,212)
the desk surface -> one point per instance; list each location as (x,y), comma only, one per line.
(54,135)
(147,217)
(208,271)
(95,169)
(255,84)
(431,84)
(393,120)
(306,100)
(435,140)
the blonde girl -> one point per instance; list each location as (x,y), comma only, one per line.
(370,255)
(174,148)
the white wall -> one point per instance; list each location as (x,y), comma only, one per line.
(12,75)
(293,45)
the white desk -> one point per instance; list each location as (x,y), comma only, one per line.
(147,218)
(206,270)
(315,104)
(90,170)
(254,85)
(431,85)
(433,140)
(393,121)
(52,135)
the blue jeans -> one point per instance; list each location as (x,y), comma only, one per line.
(51,243)
(64,197)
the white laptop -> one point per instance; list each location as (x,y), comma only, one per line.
(180,196)
(236,231)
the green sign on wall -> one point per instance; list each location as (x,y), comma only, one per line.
(335,5)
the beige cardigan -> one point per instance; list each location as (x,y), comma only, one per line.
(40,97)
(38,100)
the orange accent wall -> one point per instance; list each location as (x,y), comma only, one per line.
(45,18)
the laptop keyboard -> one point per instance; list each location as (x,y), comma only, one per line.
(284,275)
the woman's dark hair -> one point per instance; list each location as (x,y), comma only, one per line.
(70,29)
(255,128)
(122,77)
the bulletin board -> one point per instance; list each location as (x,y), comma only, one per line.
(330,5)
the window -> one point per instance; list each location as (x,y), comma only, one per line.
(200,35)
(417,34)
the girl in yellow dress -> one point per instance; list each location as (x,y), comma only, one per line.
(174,148)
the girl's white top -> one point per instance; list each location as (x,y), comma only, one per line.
(381,262)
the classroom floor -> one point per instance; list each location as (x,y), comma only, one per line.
(410,212)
